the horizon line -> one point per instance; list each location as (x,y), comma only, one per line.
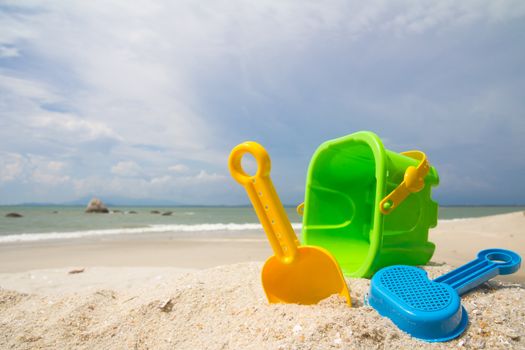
(109,204)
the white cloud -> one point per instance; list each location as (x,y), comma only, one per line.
(79,129)
(11,166)
(179,168)
(204,177)
(41,176)
(26,88)
(199,188)
(6,51)
(15,28)
(47,172)
(32,168)
(162,180)
(56,166)
(191,79)
(415,17)
(141,79)
(130,80)
(126,168)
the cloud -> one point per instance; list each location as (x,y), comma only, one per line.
(126,168)
(179,168)
(26,88)
(205,177)
(49,176)
(202,187)
(417,17)
(32,169)
(6,51)
(138,94)
(11,166)
(80,129)
(162,181)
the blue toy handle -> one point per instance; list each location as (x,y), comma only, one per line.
(489,264)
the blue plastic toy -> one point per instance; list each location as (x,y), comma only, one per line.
(432,310)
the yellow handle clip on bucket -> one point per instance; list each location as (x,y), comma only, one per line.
(413,181)
(295,274)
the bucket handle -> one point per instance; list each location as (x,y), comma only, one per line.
(413,181)
(300,209)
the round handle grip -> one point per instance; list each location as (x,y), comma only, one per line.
(261,157)
(507,261)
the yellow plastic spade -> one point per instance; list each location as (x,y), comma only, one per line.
(295,274)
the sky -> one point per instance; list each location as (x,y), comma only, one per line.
(145,99)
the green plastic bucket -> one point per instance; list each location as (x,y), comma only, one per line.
(347,179)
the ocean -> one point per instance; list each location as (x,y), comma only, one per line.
(54,222)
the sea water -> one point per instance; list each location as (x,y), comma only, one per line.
(54,222)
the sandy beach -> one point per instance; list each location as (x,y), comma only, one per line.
(174,292)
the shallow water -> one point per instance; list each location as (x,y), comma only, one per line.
(48,222)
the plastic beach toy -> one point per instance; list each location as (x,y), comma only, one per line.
(370,207)
(431,310)
(295,274)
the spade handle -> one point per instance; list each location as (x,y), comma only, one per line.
(265,200)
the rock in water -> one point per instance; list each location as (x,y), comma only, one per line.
(168,213)
(96,206)
(13,215)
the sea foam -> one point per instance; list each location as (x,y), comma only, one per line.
(44,236)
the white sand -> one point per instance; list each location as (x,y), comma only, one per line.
(458,241)
(224,307)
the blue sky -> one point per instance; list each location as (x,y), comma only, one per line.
(145,99)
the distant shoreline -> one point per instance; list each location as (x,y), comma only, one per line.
(109,204)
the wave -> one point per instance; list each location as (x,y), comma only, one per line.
(456,219)
(44,236)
